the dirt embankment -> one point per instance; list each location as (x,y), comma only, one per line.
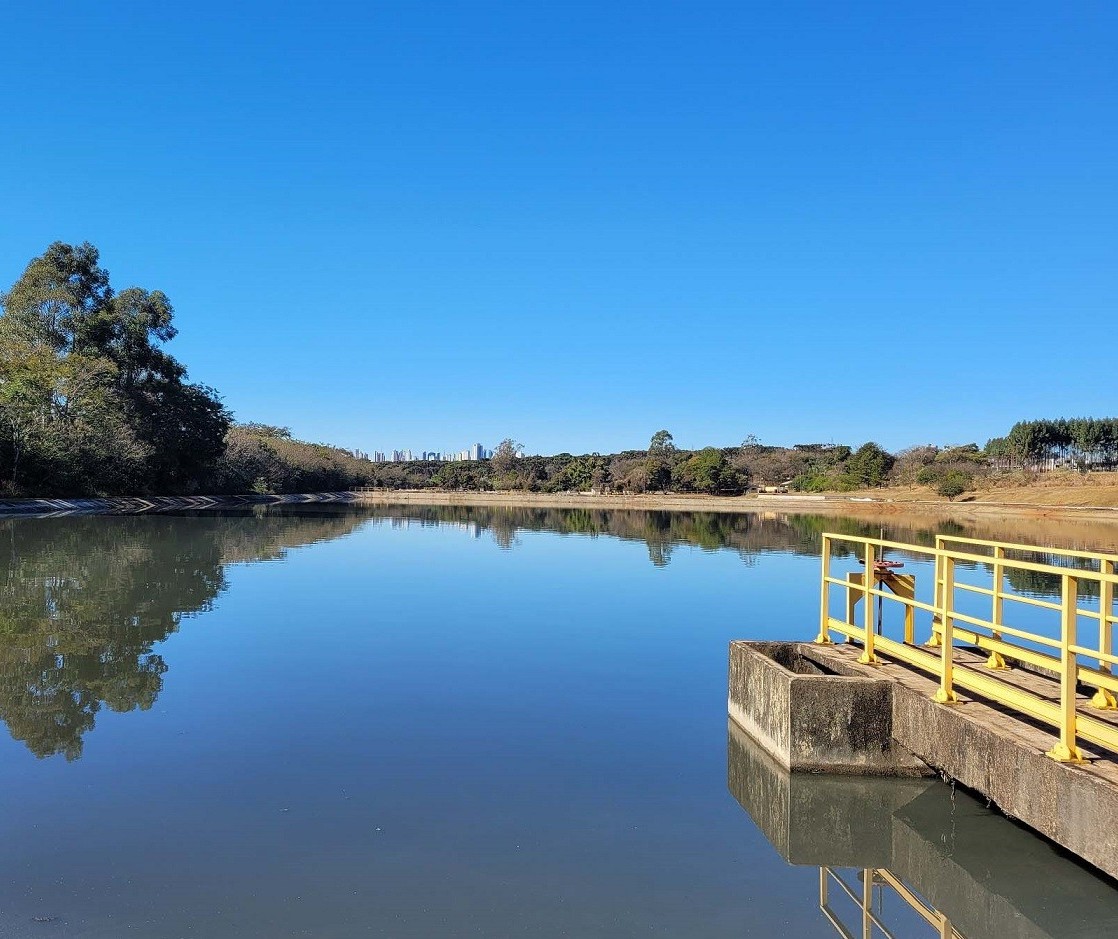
(1060,489)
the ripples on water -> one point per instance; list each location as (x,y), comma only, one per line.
(448,721)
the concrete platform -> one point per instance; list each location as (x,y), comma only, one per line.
(996,754)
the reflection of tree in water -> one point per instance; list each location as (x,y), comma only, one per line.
(504,531)
(84,600)
(660,553)
(1041,584)
(748,534)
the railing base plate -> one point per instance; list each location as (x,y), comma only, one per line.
(1104,701)
(1062,753)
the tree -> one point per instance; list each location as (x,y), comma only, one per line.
(661,444)
(505,456)
(267,430)
(1029,441)
(600,474)
(580,473)
(59,297)
(658,467)
(184,426)
(870,465)
(955,483)
(91,403)
(706,471)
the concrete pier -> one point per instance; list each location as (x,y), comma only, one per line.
(814,708)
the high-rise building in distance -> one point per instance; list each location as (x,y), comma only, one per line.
(474,452)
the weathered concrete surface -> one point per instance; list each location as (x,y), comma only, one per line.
(811,721)
(991,878)
(998,756)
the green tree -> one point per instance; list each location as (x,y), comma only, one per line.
(658,466)
(661,444)
(505,456)
(706,471)
(869,466)
(955,483)
(59,298)
(600,476)
(91,402)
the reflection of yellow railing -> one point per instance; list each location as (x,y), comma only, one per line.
(1059,652)
(863,897)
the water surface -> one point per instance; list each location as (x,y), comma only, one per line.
(423,721)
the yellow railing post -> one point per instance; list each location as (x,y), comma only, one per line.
(867,903)
(824,593)
(867,657)
(945,694)
(995,660)
(937,593)
(1103,698)
(1067,751)
(851,601)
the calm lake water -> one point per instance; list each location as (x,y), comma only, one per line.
(427,722)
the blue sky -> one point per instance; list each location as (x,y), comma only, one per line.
(413,224)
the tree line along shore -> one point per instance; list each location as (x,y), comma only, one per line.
(92,404)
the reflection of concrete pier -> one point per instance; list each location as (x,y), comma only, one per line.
(962,869)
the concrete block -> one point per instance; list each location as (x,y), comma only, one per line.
(810,721)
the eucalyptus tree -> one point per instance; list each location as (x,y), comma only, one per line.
(506,455)
(658,467)
(89,398)
(661,444)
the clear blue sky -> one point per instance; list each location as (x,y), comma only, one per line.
(413,224)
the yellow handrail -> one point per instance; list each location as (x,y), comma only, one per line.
(863,900)
(1061,654)
(1011,546)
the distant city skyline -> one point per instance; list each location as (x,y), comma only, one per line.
(473,452)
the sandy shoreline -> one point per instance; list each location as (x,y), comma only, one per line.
(836,505)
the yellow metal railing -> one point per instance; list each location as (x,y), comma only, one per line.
(1056,651)
(870,914)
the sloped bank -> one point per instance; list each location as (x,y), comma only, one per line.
(136,505)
